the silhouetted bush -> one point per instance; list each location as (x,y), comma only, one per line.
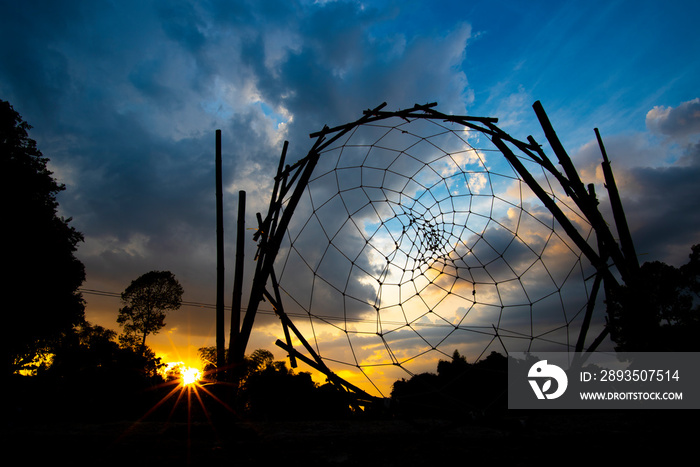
(458,390)
(660,310)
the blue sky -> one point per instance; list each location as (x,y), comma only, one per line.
(125,98)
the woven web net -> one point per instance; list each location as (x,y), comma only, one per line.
(417,238)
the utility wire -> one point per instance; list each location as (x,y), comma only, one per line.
(104,293)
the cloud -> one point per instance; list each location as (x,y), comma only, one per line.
(675,122)
(338,58)
(664,211)
(125,99)
(656,179)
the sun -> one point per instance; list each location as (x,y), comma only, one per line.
(187,375)
(185,387)
(190,376)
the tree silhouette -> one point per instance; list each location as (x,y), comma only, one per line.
(42,275)
(88,377)
(146,301)
(459,388)
(667,317)
(208,357)
(91,353)
(268,389)
(257,362)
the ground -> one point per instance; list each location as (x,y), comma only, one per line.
(579,438)
(42,425)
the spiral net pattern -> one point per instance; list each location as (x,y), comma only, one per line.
(416,238)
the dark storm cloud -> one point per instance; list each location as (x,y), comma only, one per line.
(181,22)
(664,208)
(130,108)
(336,63)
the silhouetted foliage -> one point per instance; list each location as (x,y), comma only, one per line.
(91,354)
(458,389)
(86,349)
(208,357)
(267,389)
(146,301)
(89,376)
(273,391)
(661,311)
(40,287)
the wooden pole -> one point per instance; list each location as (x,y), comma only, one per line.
(580,343)
(550,204)
(623,230)
(564,159)
(321,367)
(237,279)
(220,336)
(267,258)
(583,201)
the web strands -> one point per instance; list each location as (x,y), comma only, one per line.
(416,238)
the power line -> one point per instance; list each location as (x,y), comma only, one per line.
(104,293)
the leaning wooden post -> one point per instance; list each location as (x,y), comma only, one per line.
(267,258)
(623,231)
(220,336)
(550,204)
(599,277)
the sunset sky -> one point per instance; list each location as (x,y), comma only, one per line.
(125,98)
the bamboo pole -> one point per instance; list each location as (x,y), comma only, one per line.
(267,258)
(321,367)
(623,231)
(585,325)
(271,241)
(237,279)
(587,205)
(220,336)
(549,204)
